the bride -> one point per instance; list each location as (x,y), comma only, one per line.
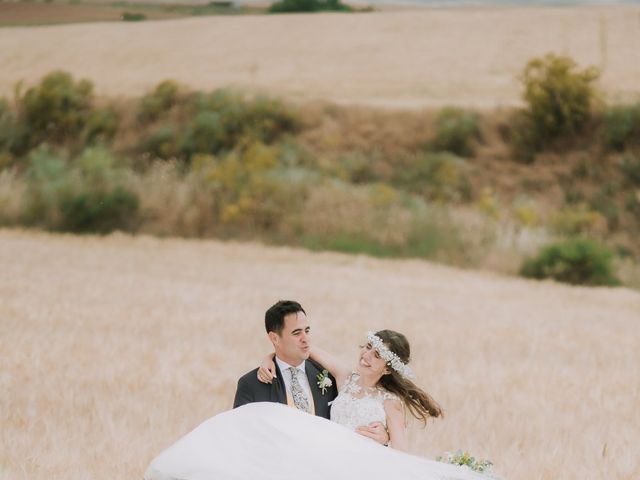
(272,441)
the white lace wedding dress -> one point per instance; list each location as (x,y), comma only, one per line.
(271,441)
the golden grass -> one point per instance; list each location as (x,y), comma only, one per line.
(113,347)
(406,58)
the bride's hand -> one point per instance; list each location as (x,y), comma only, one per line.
(267,370)
(375,431)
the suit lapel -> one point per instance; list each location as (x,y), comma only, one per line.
(278,390)
(312,372)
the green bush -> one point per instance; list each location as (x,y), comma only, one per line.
(577,261)
(48,179)
(559,98)
(133,17)
(101,126)
(220,122)
(262,119)
(160,100)
(87,194)
(164,142)
(621,126)
(251,193)
(100,212)
(266,119)
(455,131)
(55,111)
(293,6)
(436,176)
(207,133)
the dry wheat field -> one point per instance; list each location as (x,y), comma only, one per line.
(112,347)
(406,58)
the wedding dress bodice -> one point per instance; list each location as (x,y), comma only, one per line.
(356,406)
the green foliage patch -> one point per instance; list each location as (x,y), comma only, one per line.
(456,129)
(621,126)
(161,99)
(133,17)
(301,6)
(219,122)
(86,194)
(559,100)
(436,176)
(576,261)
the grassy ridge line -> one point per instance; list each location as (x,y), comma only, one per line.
(232,165)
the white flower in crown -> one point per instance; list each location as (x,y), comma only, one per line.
(324,381)
(390,357)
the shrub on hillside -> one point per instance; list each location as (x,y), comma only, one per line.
(101,126)
(160,100)
(621,126)
(577,261)
(163,142)
(220,122)
(251,193)
(456,129)
(55,111)
(559,98)
(133,17)
(87,194)
(207,133)
(293,6)
(261,119)
(266,119)
(436,176)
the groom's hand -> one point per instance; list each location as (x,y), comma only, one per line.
(376,431)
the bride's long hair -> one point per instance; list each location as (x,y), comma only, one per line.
(419,403)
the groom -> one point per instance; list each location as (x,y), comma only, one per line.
(296,382)
(297,377)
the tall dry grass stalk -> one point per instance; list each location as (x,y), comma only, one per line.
(172,202)
(12,189)
(114,347)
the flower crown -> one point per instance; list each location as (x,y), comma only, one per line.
(390,357)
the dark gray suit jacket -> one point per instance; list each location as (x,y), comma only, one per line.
(251,390)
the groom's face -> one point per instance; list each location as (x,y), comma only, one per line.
(294,342)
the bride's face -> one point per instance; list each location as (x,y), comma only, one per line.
(371,363)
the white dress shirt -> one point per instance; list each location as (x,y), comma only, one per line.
(302,377)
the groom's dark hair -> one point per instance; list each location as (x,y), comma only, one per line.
(274,317)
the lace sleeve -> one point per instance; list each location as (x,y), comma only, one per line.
(386,395)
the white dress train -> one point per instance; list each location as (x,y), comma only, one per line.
(271,441)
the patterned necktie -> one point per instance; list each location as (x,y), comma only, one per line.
(300,399)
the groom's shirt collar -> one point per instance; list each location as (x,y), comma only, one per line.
(286,376)
(283,366)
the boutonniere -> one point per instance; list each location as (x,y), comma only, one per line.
(324,381)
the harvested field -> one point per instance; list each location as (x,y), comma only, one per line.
(32,13)
(406,58)
(113,347)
